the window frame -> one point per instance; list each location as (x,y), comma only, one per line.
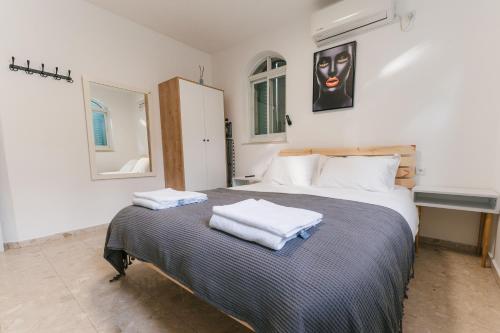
(253,79)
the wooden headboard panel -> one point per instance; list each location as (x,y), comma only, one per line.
(406,172)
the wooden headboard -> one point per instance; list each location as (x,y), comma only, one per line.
(406,172)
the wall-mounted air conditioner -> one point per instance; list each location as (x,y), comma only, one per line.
(350,17)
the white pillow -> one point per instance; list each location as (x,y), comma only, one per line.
(129,166)
(377,174)
(142,166)
(321,163)
(292,170)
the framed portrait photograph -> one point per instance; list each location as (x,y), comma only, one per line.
(333,80)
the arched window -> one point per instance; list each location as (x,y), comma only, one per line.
(268,99)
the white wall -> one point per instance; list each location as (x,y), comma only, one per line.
(45,164)
(426,87)
(492,66)
(6,209)
(141,129)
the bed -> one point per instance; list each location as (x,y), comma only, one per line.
(349,276)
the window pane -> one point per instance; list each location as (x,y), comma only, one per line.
(99,125)
(277,62)
(260,107)
(261,68)
(277,105)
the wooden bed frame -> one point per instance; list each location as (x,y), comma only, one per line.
(404,177)
(153,267)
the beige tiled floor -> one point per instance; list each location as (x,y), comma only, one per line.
(62,286)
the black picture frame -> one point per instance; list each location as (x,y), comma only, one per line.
(334,87)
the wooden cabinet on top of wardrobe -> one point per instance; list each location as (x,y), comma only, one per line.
(192,125)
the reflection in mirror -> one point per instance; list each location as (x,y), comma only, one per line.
(118,132)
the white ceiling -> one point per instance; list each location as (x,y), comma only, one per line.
(211,25)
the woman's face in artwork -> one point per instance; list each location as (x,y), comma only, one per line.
(333,68)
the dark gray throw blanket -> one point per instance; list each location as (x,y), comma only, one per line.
(349,276)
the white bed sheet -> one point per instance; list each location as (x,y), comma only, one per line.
(400,199)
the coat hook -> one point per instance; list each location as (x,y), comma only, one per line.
(56,76)
(12,66)
(42,73)
(69,79)
(28,70)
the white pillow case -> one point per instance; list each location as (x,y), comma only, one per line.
(129,166)
(377,174)
(142,165)
(322,159)
(292,170)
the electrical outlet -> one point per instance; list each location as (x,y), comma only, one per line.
(420,171)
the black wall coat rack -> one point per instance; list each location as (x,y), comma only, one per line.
(42,72)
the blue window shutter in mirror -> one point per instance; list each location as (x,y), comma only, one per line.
(99,124)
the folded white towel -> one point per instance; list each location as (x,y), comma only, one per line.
(282,221)
(167,198)
(248,233)
(168,194)
(154,205)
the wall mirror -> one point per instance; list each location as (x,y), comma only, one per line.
(118,131)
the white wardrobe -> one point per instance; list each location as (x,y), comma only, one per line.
(192,122)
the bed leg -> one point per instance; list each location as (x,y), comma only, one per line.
(488,221)
(417,237)
(417,243)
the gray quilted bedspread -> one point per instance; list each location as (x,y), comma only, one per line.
(349,276)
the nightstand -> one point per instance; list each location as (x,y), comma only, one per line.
(245,180)
(482,201)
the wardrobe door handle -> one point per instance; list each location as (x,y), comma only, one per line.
(204,140)
(208,140)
